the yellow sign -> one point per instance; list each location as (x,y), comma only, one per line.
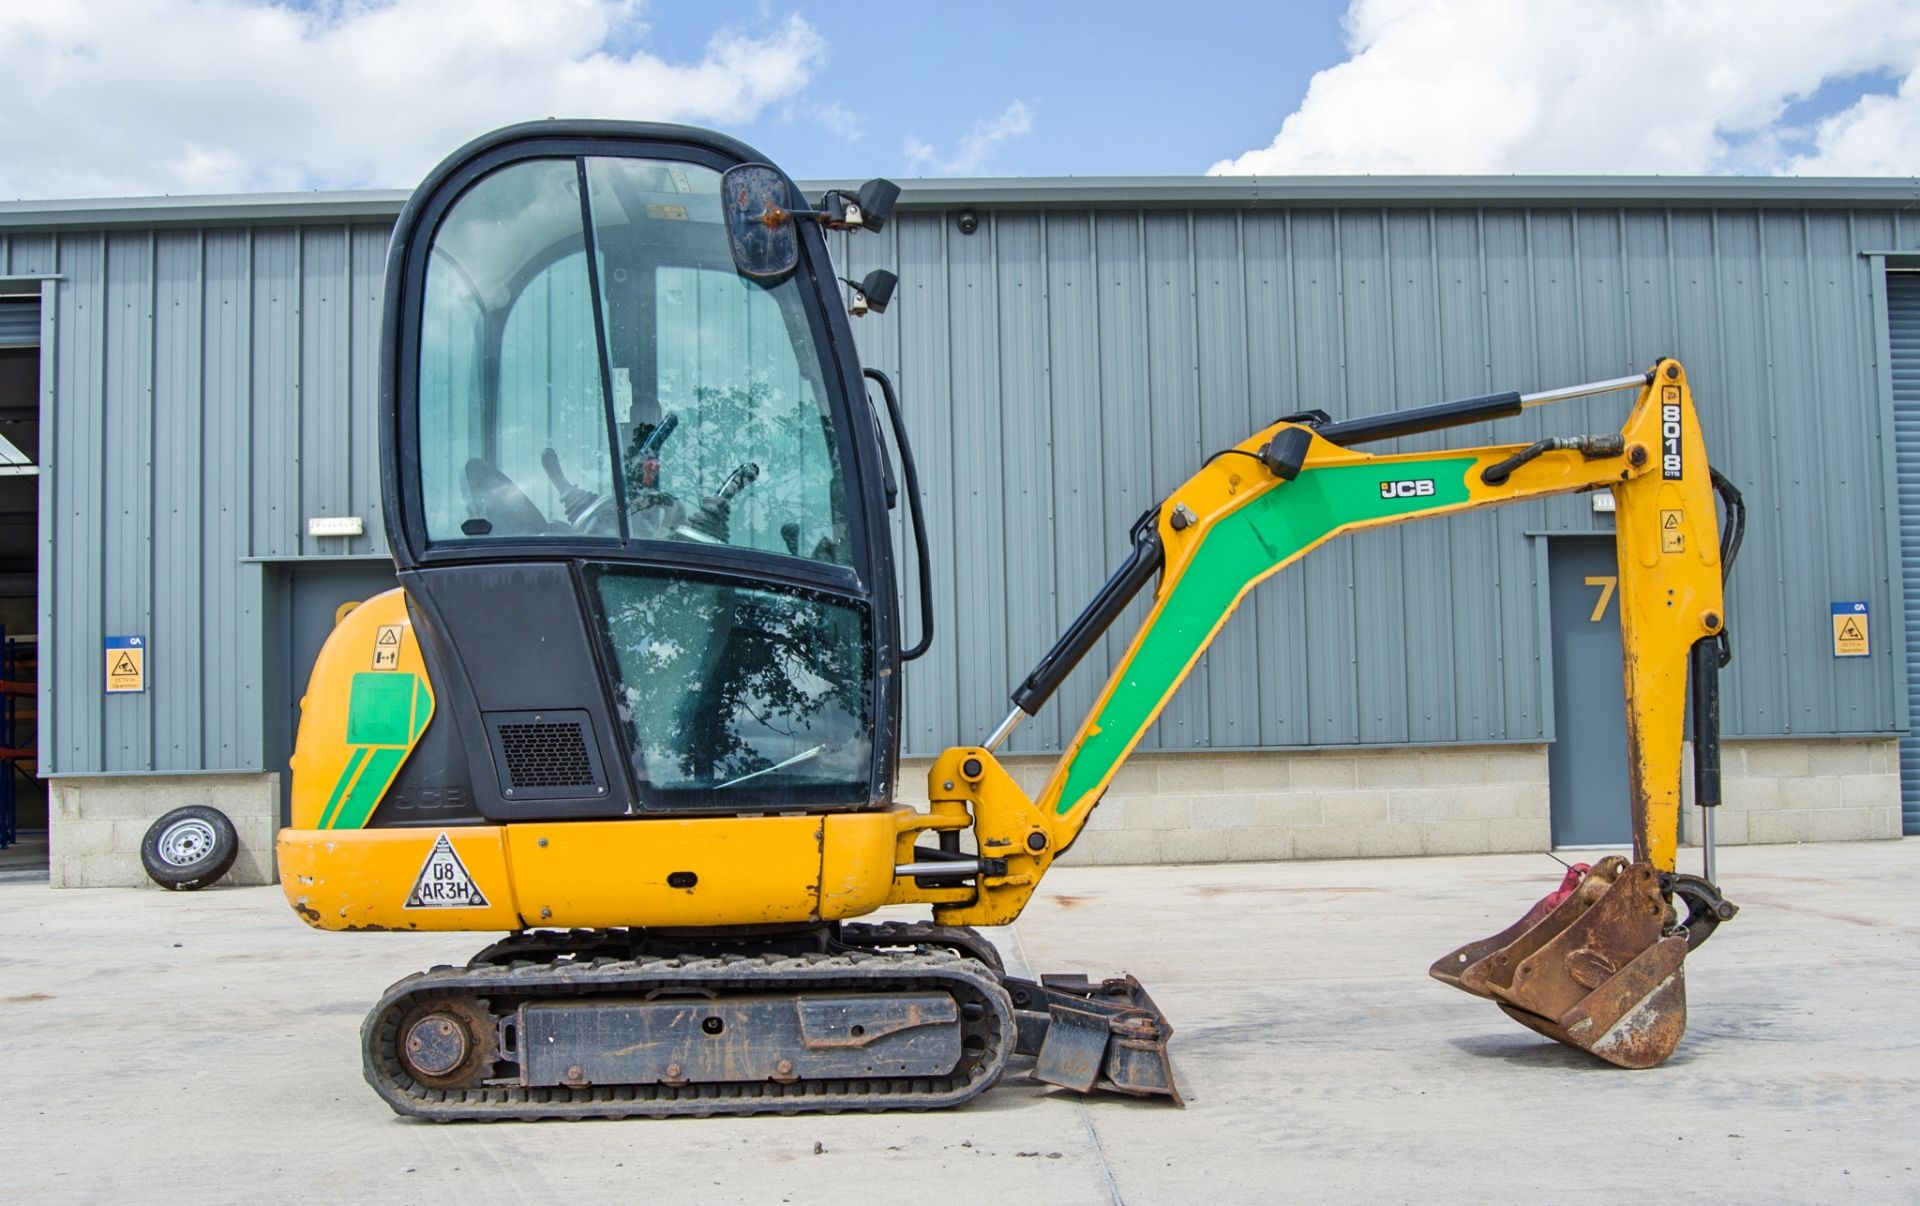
(1850,630)
(386,648)
(1673,539)
(126,665)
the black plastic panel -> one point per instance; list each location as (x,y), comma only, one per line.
(545,755)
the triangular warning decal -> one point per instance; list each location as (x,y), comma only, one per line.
(1850,631)
(444,882)
(1672,520)
(125,666)
(389,635)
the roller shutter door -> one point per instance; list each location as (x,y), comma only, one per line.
(1903,320)
(19,323)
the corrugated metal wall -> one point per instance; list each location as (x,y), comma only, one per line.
(1062,370)
(213,387)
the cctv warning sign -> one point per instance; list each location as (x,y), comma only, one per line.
(1850,630)
(126,665)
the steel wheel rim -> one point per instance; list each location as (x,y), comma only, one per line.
(186,842)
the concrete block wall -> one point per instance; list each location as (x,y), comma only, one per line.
(1834,790)
(1178,808)
(97,824)
(1284,804)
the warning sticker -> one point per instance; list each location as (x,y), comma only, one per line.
(444,882)
(126,664)
(1673,537)
(1850,630)
(386,648)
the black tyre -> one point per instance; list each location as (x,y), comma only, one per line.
(189,848)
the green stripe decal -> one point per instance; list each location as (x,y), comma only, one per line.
(386,713)
(372,784)
(340,789)
(1240,549)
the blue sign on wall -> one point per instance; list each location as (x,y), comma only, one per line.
(126,664)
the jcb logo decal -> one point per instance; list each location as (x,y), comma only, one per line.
(1414,488)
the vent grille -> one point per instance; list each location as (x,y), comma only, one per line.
(546,755)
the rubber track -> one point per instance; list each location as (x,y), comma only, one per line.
(503,988)
(960,939)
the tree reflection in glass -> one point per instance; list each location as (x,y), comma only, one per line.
(735,694)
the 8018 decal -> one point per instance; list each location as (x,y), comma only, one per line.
(1418,487)
(1670,433)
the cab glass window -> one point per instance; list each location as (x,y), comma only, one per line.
(596,369)
(734,695)
(512,413)
(722,410)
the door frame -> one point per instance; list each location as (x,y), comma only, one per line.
(44,719)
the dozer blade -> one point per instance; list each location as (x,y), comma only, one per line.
(1086,1036)
(1591,966)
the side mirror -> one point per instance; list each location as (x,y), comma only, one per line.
(754,198)
(873,292)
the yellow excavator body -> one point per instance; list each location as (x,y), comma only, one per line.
(642,717)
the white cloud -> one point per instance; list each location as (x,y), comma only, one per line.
(149,96)
(1879,136)
(1641,86)
(976,148)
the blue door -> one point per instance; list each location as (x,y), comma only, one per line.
(1587,763)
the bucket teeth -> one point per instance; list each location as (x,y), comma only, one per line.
(1592,966)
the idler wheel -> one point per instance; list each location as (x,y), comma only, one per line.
(446,1042)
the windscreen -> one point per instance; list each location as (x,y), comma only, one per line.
(593,368)
(733,694)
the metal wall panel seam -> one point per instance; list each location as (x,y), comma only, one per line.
(199,522)
(1773,408)
(298,428)
(1056,594)
(1446,562)
(1543,623)
(1501,705)
(1626,293)
(1256,630)
(348,394)
(253,385)
(1731,684)
(149,624)
(1778,552)
(1345,547)
(92,701)
(1819,439)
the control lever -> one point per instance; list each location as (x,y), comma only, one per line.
(576,502)
(711,522)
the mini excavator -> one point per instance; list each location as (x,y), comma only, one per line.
(635,704)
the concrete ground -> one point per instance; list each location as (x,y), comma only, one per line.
(204,1048)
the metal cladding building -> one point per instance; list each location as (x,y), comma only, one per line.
(202,372)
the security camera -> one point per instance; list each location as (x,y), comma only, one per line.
(969,222)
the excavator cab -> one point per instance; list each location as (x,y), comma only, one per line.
(633,476)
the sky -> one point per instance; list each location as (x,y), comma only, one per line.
(139,97)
